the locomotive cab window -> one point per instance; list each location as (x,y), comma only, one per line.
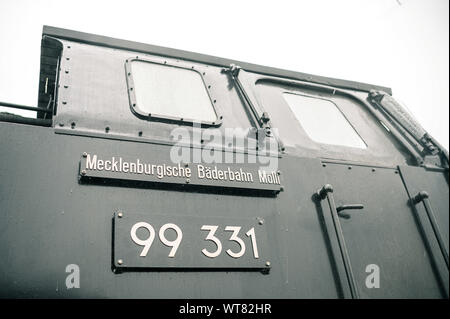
(169,92)
(323,121)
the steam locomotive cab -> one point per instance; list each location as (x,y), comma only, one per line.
(157,173)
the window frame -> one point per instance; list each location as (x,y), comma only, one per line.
(344,116)
(200,70)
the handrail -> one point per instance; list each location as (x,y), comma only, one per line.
(25,107)
(423,197)
(327,192)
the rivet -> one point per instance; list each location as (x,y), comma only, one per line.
(281,188)
(349,167)
(373,169)
(188,181)
(120,261)
(85,154)
(66,86)
(261,221)
(324,165)
(120,215)
(83,172)
(267,263)
(278,173)
(64,102)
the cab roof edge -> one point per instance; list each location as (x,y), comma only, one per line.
(104,41)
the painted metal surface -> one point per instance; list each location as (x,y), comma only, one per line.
(384,233)
(55,211)
(50,220)
(435,183)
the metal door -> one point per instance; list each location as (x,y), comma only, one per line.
(375,233)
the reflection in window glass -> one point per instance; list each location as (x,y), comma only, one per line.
(170,91)
(323,121)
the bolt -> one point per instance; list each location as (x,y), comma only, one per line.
(120,261)
(120,214)
(83,172)
(85,154)
(421,196)
(267,263)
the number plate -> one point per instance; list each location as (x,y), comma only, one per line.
(160,241)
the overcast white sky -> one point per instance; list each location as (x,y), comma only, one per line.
(402,44)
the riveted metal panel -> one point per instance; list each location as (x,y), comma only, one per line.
(51,219)
(203,58)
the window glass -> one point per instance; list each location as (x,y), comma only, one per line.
(169,91)
(323,121)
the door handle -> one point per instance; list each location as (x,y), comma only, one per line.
(326,192)
(339,209)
